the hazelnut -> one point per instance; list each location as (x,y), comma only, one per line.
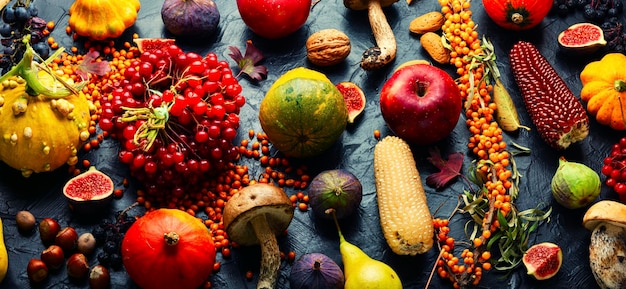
(99,277)
(77,266)
(86,243)
(25,221)
(48,229)
(36,270)
(67,239)
(53,256)
(327,47)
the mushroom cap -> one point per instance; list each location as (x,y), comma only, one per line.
(363,4)
(605,211)
(252,201)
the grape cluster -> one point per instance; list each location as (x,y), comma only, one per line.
(20,18)
(599,11)
(614,169)
(109,234)
(596,11)
(176,115)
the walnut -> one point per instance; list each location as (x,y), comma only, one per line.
(327,47)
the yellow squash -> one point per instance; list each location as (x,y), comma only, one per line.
(604,90)
(43,123)
(4,257)
(102,19)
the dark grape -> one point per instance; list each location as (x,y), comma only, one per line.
(5,30)
(589,12)
(33,10)
(21,14)
(8,15)
(109,234)
(111,246)
(42,49)
(104,259)
(99,233)
(580,3)
(115,260)
(5,62)
(618,5)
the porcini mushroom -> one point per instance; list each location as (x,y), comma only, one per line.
(385,49)
(607,250)
(255,215)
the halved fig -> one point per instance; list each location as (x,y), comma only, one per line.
(582,38)
(89,192)
(354,98)
(543,260)
(150,44)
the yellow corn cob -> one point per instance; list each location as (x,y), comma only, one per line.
(404,214)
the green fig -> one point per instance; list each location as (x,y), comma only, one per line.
(574,185)
(363,272)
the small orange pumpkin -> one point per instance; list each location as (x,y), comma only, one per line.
(517,14)
(168,248)
(604,90)
(102,19)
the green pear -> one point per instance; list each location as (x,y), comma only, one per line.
(363,272)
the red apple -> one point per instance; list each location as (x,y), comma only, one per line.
(421,103)
(274,18)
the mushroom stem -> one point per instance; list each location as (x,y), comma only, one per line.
(385,49)
(270,255)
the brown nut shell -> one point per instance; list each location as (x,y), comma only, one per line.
(428,22)
(431,42)
(328,47)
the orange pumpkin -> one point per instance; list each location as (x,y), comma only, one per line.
(102,19)
(517,14)
(604,90)
(168,248)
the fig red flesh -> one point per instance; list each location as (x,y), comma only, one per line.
(354,98)
(543,260)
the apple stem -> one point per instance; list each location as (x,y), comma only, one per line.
(421,88)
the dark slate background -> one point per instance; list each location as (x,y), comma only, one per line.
(41,194)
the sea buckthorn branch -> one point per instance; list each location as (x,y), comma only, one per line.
(494,219)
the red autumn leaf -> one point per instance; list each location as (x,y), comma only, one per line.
(247,63)
(448,170)
(90,64)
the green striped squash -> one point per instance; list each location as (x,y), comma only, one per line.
(303,113)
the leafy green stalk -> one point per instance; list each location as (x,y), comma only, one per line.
(28,69)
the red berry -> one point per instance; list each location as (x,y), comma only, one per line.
(620,188)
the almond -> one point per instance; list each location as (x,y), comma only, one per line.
(429,22)
(327,47)
(431,42)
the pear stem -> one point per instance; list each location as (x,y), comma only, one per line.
(332,211)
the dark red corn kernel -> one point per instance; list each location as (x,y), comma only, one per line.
(557,113)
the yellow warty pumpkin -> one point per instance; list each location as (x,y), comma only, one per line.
(48,132)
(102,19)
(43,120)
(604,90)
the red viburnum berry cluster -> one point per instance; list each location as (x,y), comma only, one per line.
(614,169)
(176,115)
